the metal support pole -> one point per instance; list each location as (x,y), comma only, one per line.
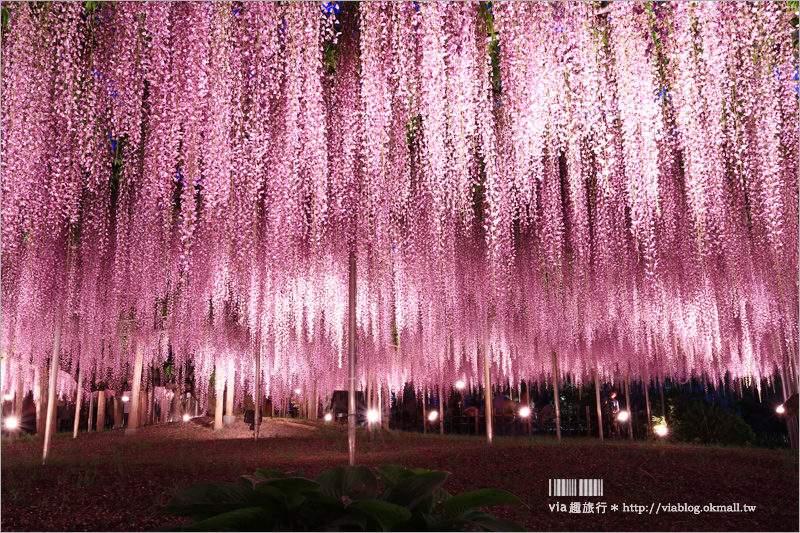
(628,407)
(51,393)
(487,393)
(91,409)
(556,395)
(647,402)
(599,408)
(257,393)
(78,399)
(351,363)
(441,410)
(136,388)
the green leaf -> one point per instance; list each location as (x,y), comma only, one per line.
(204,500)
(270,474)
(251,481)
(388,515)
(460,503)
(354,482)
(411,491)
(246,519)
(291,488)
(432,502)
(392,474)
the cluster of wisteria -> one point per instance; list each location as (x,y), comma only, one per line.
(614,186)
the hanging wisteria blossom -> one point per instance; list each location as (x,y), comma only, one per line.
(183,183)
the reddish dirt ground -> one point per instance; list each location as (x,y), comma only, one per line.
(110,482)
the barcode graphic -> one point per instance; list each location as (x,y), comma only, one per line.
(575,487)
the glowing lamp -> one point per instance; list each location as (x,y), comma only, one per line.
(661,430)
(328,417)
(780,410)
(12,422)
(186,418)
(525,412)
(8,396)
(623,416)
(297,391)
(433,415)
(372,416)
(459,385)
(126,398)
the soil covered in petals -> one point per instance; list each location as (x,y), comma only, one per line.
(112,482)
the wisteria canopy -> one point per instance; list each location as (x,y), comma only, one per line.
(617,185)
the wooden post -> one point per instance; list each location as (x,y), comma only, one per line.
(257,393)
(649,414)
(20,397)
(78,400)
(528,403)
(151,418)
(142,408)
(314,402)
(588,423)
(42,377)
(219,401)
(118,409)
(424,410)
(101,410)
(136,387)
(91,410)
(599,408)
(51,393)
(441,410)
(556,394)
(487,393)
(628,407)
(229,418)
(791,427)
(351,362)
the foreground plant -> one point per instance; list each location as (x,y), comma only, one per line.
(343,498)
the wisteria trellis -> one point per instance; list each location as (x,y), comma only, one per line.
(618,186)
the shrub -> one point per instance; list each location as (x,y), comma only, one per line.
(700,421)
(340,499)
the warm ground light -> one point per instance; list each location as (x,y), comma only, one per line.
(107,482)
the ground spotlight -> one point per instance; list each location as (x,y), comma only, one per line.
(372,416)
(297,391)
(661,430)
(525,412)
(186,418)
(126,398)
(780,410)
(623,416)
(433,415)
(11,422)
(328,417)
(459,385)
(8,396)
